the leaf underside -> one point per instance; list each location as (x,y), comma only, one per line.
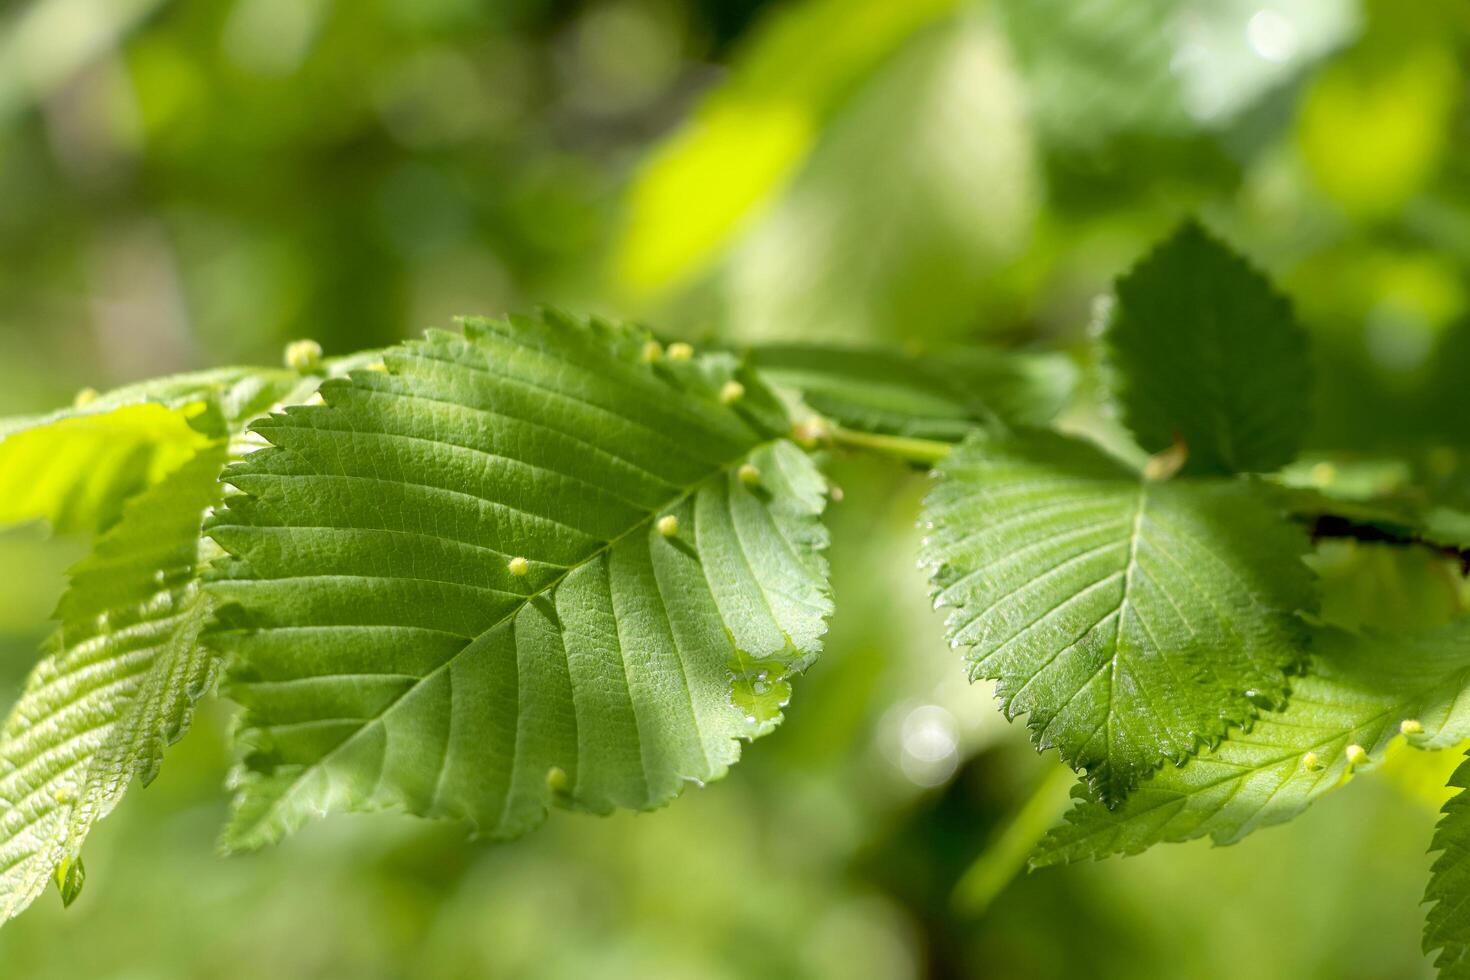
(1358,692)
(120,682)
(943,395)
(1130,620)
(386,655)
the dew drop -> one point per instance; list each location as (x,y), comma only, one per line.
(759,688)
(303,355)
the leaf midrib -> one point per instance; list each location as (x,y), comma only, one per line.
(683,494)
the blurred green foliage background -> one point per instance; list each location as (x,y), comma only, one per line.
(186,183)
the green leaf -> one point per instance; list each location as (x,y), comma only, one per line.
(1444,526)
(1105,68)
(1203,349)
(1130,619)
(75,471)
(388,654)
(1094,70)
(75,467)
(119,684)
(943,395)
(1447,925)
(1360,690)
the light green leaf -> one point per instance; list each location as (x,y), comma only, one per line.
(943,395)
(1447,926)
(118,685)
(388,654)
(75,467)
(76,471)
(1202,349)
(1130,620)
(1359,692)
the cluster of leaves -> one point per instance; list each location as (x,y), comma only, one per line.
(552,561)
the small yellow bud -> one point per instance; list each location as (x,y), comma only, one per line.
(680,351)
(1311,762)
(732,392)
(668,525)
(749,475)
(809,433)
(1323,474)
(84,397)
(652,351)
(1356,754)
(303,355)
(377,366)
(556,779)
(1411,726)
(518,566)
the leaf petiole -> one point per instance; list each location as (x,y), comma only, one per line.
(925,452)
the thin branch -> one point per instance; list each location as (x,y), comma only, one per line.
(1335,526)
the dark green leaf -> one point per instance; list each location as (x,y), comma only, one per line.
(1203,350)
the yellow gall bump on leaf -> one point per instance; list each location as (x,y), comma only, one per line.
(64,795)
(1411,726)
(732,392)
(680,351)
(1323,474)
(378,366)
(749,475)
(556,779)
(811,432)
(518,566)
(1311,762)
(84,397)
(652,351)
(668,525)
(303,355)
(1356,754)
